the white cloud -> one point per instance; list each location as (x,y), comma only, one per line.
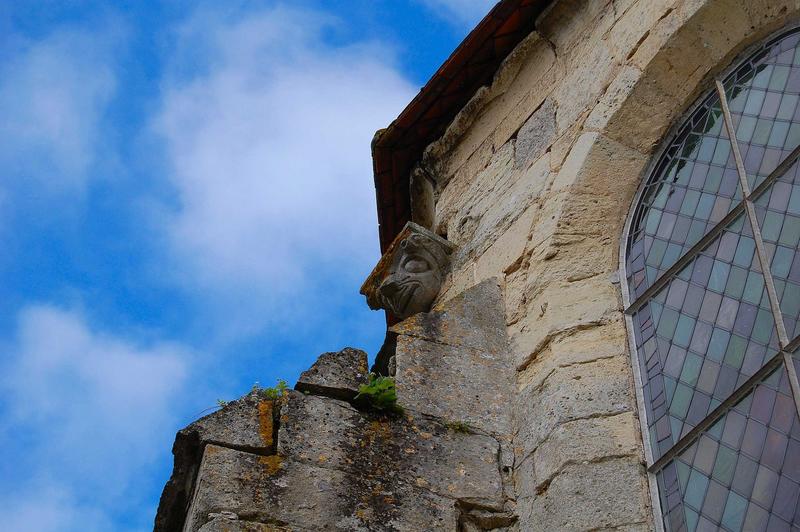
(94,411)
(462,12)
(269,143)
(53,93)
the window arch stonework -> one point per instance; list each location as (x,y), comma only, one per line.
(712,263)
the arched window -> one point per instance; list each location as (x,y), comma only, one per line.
(712,265)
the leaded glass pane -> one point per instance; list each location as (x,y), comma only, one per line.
(743,473)
(778,213)
(694,187)
(709,327)
(703,335)
(763,95)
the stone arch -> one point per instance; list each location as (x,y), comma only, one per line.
(620,136)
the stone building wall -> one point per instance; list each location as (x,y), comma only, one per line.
(317,458)
(533,181)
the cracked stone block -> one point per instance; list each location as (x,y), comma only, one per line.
(599,388)
(246,423)
(337,375)
(409,449)
(589,496)
(300,496)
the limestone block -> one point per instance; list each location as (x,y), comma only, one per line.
(536,135)
(337,375)
(562,306)
(533,84)
(515,297)
(460,279)
(588,72)
(494,213)
(589,496)
(764,12)
(566,22)
(222,524)
(546,222)
(613,100)
(461,197)
(454,363)
(300,496)
(508,247)
(635,24)
(570,257)
(599,388)
(585,440)
(457,384)
(576,347)
(411,449)
(689,42)
(600,166)
(246,423)
(520,86)
(472,319)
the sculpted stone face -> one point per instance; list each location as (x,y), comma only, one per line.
(408,278)
(414,279)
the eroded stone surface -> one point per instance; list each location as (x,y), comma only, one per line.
(589,496)
(411,449)
(454,363)
(474,319)
(336,374)
(536,134)
(575,392)
(246,423)
(221,524)
(301,496)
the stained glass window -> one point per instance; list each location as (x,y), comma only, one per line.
(713,292)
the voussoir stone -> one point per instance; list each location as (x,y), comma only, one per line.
(336,374)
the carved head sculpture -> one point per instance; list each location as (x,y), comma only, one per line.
(407,279)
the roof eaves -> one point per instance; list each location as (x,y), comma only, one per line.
(472,65)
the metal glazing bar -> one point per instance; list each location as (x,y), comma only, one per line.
(793,383)
(687,257)
(778,172)
(763,259)
(712,418)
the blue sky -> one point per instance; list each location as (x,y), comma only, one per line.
(186,208)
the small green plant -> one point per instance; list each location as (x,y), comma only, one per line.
(222,403)
(459,426)
(274,392)
(379,394)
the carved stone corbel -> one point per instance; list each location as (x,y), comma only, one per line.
(409,276)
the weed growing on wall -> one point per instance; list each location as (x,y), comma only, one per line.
(379,394)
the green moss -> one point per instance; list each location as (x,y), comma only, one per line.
(459,426)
